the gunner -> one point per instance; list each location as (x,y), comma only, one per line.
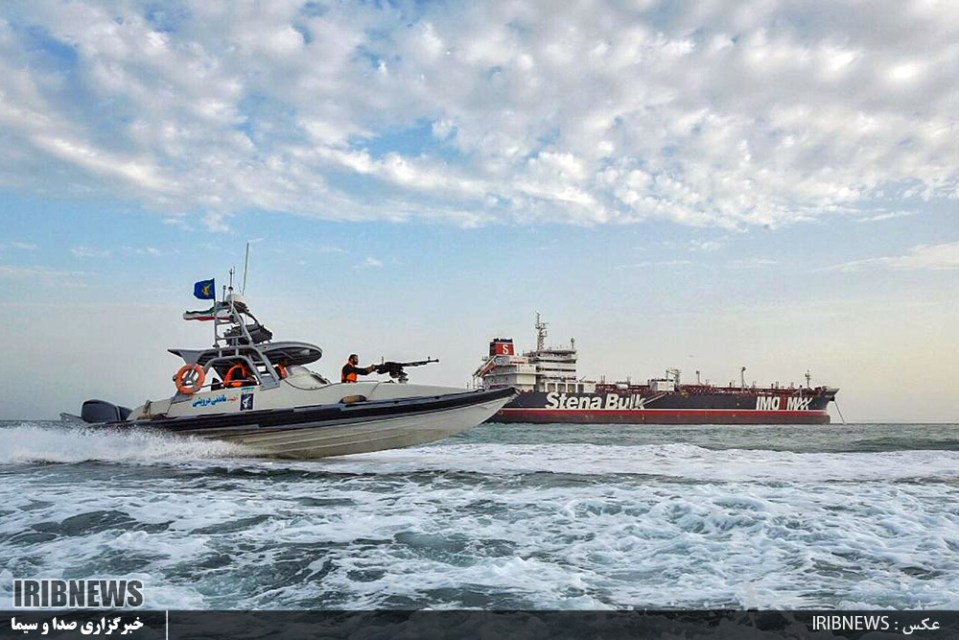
(350,370)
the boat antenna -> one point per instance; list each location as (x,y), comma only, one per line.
(246,265)
(230,289)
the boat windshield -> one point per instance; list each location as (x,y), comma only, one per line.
(300,370)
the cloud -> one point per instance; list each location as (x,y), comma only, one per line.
(330,249)
(889,215)
(371,262)
(704,245)
(42,275)
(708,115)
(216,222)
(752,263)
(178,222)
(22,246)
(936,257)
(653,263)
(87,252)
(142,251)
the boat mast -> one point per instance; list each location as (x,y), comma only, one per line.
(227,296)
(216,311)
(246,265)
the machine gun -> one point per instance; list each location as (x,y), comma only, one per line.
(395,369)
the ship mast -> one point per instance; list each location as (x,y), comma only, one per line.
(540,334)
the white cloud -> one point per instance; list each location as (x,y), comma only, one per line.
(751,263)
(713,114)
(22,246)
(889,215)
(654,263)
(216,222)
(178,222)
(371,262)
(87,252)
(142,251)
(43,275)
(704,245)
(923,257)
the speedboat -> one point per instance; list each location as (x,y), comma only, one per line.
(253,391)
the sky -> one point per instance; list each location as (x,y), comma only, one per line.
(699,185)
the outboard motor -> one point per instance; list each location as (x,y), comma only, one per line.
(97,411)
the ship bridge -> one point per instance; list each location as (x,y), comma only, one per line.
(549,369)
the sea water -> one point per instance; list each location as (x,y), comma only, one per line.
(503,517)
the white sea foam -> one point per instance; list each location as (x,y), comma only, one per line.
(705,546)
(30,442)
(669,460)
(554,526)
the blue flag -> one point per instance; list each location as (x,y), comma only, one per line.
(205,289)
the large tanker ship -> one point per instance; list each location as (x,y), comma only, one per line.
(551,391)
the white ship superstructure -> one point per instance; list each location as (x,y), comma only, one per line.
(545,368)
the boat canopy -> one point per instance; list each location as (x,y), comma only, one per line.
(288,353)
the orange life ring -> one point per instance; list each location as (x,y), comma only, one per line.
(238,371)
(189,379)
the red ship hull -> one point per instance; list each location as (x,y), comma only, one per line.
(660,416)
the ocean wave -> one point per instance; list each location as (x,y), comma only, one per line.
(480,524)
(680,461)
(53,443)
(376,541)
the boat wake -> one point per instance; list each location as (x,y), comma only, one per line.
(30,442)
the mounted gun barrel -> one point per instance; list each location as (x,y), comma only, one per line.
(396,369)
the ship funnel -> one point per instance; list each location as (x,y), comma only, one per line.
(501,347)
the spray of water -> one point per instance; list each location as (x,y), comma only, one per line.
(30,442)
